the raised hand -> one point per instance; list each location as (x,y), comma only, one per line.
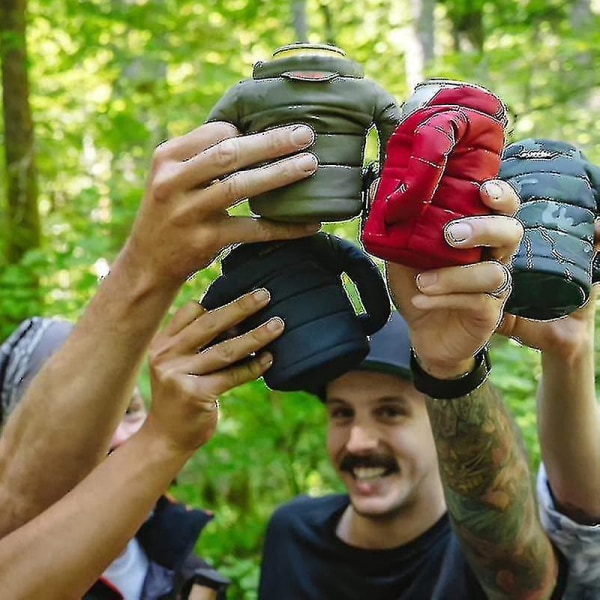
(183,221)
(452,312)
(189,370)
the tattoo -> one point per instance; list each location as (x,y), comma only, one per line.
(489,493)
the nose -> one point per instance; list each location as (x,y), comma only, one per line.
(124,431)
(362,439)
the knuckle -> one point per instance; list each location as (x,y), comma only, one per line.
(234,186)
(227,154)
(226,352)
(162,153)
(162,185)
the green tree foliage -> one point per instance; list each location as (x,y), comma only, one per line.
(111,79)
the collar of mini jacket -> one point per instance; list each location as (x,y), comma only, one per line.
(337,65)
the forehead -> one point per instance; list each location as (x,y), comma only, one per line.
(366,387)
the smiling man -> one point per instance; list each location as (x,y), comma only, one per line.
(390,537)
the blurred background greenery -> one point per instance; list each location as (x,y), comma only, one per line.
(107,80)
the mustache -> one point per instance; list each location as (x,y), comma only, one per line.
(352,461)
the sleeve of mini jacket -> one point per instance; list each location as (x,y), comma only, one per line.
(433,141)
(227,108)
(386,118)
(580,544)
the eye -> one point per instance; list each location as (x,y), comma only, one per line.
(340,413)
(134,409)
(391,412)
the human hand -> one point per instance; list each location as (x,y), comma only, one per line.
(188,374)
(563,337)
(194,179)
(452,312)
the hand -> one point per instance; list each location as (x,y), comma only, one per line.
(183,221)
(188,374)
(452,312)
(564,337)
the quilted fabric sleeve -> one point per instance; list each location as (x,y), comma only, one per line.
(433,142)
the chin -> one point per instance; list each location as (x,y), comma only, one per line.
(377,509)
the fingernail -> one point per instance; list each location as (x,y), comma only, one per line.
(307,162)
(265,359)
(302,135)
(275,324)
(426,279)
(458,232)
(261,295)
(493,190)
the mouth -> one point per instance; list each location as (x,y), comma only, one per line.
(368,473)
(366,469)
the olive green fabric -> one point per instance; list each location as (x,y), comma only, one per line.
(331,95)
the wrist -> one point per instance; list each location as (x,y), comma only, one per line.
(449,383)
(444,370)
(161,446)
(138,279)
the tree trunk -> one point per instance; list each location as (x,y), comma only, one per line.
(23,213)
(300,20)
(420,43)
(467,25)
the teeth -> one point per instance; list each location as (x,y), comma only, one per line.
(366,473)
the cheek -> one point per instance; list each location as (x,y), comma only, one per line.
(336,441)
(415,443)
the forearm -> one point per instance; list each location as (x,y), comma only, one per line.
(489,496)
(62,552)
(65,422)
(569,431)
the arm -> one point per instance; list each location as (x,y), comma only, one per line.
(50,556)
(182,224)
(452,313)
(568,411)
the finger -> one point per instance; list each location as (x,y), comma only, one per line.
(191,144)
(211,324)
(226,353)
(489,277)
(227,379)
(500,196)
(235,153)
(477,305)
(501,234)
(185,315)
(226,192)
(249,229)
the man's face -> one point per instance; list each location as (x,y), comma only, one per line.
(380,443)
(135,415)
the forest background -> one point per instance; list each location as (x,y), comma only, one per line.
(91,87)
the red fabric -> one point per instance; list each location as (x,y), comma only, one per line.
(436,160)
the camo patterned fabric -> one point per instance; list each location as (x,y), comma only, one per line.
(580,545)
(560,195)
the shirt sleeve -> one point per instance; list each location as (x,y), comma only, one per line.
(580,544)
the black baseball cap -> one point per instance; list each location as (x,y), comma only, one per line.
(389,351)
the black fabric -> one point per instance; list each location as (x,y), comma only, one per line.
(323,336)
(167,538)
(170,534)
(304,560)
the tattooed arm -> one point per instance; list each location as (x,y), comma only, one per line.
(452,313)
(490,499)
